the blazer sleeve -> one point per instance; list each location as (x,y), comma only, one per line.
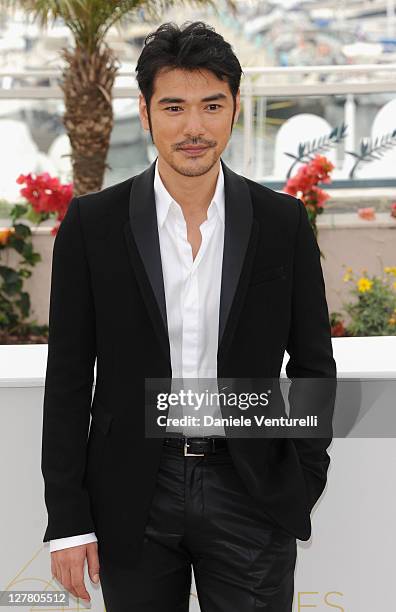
(68,383)
(311,357)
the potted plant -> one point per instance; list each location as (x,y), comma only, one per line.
(45,198)
(372,312)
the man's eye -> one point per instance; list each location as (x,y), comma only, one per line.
(177,108)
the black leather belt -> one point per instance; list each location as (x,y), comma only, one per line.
(193,447)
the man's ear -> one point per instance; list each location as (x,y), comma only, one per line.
(237,106)
(143,113)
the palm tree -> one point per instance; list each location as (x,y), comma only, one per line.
(89,73)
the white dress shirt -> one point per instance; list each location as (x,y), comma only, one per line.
(192,295)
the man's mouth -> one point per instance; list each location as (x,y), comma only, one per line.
(194,149)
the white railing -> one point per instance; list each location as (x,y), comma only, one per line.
(348,80)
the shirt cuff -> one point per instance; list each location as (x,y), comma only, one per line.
(61,543)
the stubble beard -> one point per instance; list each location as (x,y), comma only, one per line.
(198,168)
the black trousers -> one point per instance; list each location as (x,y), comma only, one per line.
(203,517)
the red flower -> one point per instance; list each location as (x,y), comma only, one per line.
(322,167)
(338,330)
(304,183)
(46,194)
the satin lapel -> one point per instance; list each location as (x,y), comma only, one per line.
(240,241)
(141,234)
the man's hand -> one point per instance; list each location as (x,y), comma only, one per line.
(67,565)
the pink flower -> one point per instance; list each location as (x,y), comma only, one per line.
(366,213)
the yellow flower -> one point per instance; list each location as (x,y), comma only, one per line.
(346,278)
(4,235)
(394,287)
(393,270)
(387,270)
(364,284)
(349,269)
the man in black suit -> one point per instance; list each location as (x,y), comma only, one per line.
(187,270)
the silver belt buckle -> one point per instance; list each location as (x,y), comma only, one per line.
(186,454)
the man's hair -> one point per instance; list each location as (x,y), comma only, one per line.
(192,46)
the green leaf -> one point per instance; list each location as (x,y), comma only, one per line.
(25,273)
(12,287)
(8,274)
(16,243)
(36,217)
(24,303)
(17,211)
(22,230)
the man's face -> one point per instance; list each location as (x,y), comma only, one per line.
(191,118)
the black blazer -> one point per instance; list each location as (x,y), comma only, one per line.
(107,302)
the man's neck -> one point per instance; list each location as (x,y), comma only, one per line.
(193,193)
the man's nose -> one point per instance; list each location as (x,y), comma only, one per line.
(193,126)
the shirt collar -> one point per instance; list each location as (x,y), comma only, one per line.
(163,199)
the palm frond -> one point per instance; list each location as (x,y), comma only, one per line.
(154,9)
(90,20)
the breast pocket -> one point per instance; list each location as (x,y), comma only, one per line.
(267,274)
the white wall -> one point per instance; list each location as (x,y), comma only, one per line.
(350,553)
